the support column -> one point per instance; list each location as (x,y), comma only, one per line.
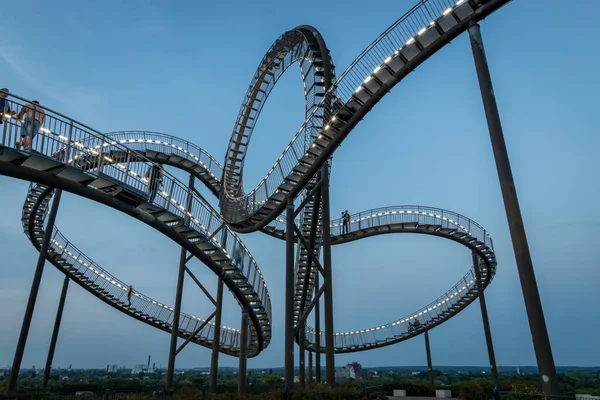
(214,361)
(533,304)
(178,297)
(329,355)
(243,352)
(301,355)
(486,322)
(35,286)
(289,295)
(317,333)
(310,367)
(429,367)
(59,313)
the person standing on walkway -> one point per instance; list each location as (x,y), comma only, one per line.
(129,294)
(34,118)
(5,106)
(154,176)
(346,219)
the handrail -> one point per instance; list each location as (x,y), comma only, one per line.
(90,152)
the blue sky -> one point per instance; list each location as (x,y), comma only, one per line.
(184,70)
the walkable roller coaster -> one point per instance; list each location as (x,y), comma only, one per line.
(112,169)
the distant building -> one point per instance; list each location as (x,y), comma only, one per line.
(137,368)
(112,368)
(354,370)
(518,371)
(350,371)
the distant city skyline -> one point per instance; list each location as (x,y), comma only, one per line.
(184,71)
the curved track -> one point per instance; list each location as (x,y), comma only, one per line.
(73,157)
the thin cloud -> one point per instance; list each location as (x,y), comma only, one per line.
(35,75)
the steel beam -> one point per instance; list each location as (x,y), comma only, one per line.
(301,355)
(486,322)
(429,367)
(178,298)
(310,367)
(533,304)
(200,285)
(289,295)
(59,313)
(189,339)
(214,361)
(311,252)
(317,335)
(329,350)
(35,286)
(306,313)
(243,352)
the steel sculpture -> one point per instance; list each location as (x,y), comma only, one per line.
(110,169)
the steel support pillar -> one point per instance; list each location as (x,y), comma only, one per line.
(329,354)
(486,322)
(317,334)
(59,313)
(178,297)
(289,295)
(214,361)
(429,367)
(35,286)
(301,355)
(533,304)
(310,367)
(243,352)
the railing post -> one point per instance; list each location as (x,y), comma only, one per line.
(533,304)
(59,312)
(35,286)
(214,361)
(289,294)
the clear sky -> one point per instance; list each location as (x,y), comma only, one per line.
(183,69)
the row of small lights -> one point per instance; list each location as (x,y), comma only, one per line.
(336,223)
(180,206)
(94,152)
(387,60)
(123,287)
(133,173)
(406,319)
(408,42)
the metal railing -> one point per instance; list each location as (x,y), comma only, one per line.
(406,214)
(87,271)
(423,16)
(446,305)
(69,142)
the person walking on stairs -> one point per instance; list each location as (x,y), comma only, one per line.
(129,294)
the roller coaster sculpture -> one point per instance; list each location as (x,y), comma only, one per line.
(111,169)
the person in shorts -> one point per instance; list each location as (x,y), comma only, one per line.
(34,118)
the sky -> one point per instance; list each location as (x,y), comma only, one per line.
(183,69)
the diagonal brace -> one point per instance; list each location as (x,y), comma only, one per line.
(212,300)
(309,196)
(312,305)
(189,339)
(308,248)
